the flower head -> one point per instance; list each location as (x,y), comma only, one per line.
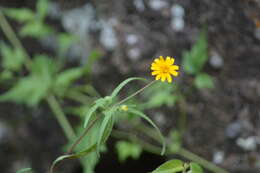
(164,68)
(124,108)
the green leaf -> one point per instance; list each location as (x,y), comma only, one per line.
(20,14)
(65,40)
(172,166)
(126,150)
(122,84)
(160,94)
(195,168)
(90,114)
(13,59)
(204,80)
(65,79)
(194,60)
(106,126)
(35,29)
(141,114)
(33,88)
(42,8)
(25,170)
(72,156)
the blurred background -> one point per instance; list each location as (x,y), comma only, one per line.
(57,57)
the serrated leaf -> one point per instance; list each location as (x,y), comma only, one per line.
(195,168)
(13,59)
(25,170)
(106,127)
(20,14)
(42,8)
(122,84)
(141,114)
(203,80)
(33,88)
(194,60)
(35,29)
(172,166)
(66,78)
(126,150)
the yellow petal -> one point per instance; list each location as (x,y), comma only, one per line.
(154,68)
(169,78)
(155,73)
(174,67)
(163,77)
(174,73)
(158,77)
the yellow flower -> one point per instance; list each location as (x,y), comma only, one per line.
(164,68)
(124,108)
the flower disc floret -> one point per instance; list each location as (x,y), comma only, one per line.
(164,69)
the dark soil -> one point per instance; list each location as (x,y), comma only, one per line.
(35,137)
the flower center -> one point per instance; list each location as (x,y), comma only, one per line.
(165,68)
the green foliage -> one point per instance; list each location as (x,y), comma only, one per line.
(175,141)
(65,40)
(42,8)
(13,59)
(176,166)
(35,29)
(34,25)
(106,126)
(33,88)
(72,156)
(172,166)
(126,150)
(160,94)
(141,114)
(43,80)
(106,101)
(65,79)
(122,84)
(195,168)
(204,80)
(194,60)
(25,170)
(20,14)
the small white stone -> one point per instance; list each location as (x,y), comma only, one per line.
(134,53)
(158,4)
(216,60)
(218,157)
(131,39)
(108,36)
(139,4)
(248,144)
(177,11)
(177,24)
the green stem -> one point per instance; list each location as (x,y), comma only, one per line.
(61,117)
(10,34)
(91,125)
(206,164)
(54,105)
(156,150)
(134,94)
(70,150)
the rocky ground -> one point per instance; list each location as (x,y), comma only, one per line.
(223,124)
